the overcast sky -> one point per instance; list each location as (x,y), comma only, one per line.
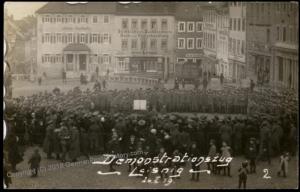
(22,9)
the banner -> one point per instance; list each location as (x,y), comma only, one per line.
(139,105)
(215,84)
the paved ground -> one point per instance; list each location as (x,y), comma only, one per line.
(26,88)
(84,175)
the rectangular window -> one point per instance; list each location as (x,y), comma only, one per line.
(278,33)
(106,59)
(181,27)
(133,43)
(244,24)
(243,47)
(230,24)
(190,43)
(124,24)
(199,43)
(134,24)
(106,38)
(59,37)
(238,47)
(280,68)
(229,44)
(181,43)
(239,24)
(70,38)
(59,18)
(82,38)
(153,44)
(164,25)
(268,35)
(234,24)
(95,19)
(164,44)
(234,46)
(144,24)
(284,34)
(125,44)
(94,38)
(143,44)
(70,19)
(199,27)
(106,19)
(191,26)
(153,24)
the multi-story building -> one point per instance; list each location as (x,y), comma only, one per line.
(145,38)
(237,40)
(284,68)
(214,30)
(272,43)
(76,38)
(189,33)
(259,41)
(222,42)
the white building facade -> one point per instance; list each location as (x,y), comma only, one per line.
(237,40)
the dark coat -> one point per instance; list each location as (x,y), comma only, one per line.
(35,160)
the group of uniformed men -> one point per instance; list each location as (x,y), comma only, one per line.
(71,125)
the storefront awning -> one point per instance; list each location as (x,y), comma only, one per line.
(77,47)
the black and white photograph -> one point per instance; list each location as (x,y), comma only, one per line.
(151,95)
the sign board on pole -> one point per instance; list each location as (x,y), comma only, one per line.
(139,105)
(246,83)
(215,84)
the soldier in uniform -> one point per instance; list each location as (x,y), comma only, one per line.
(252,154)
(65,141)
(225,132)
(93,136)
(48,141)
(276,135)
(194,152)
(74,144)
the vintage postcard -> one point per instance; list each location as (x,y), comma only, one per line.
(151,95)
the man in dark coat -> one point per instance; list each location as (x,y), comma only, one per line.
(84,142)
(34,162)
(252,154)
(194,152)
(48,142)
(11,146)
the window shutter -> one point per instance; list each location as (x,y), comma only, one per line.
(90,38)
(86,38)
(109,38)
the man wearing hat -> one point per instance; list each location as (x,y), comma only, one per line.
(34,162)
(252,154)
(48,141)
(74,152)
(93,136)
(212,154)
(276,136)
(243,171)
(64,140)
(225,132)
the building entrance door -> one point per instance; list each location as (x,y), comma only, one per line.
(82,62)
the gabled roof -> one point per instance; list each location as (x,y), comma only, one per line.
(146,8)
(86,8)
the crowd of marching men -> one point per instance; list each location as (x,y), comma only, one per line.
(84,123)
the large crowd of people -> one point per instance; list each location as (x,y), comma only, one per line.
(92,122)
